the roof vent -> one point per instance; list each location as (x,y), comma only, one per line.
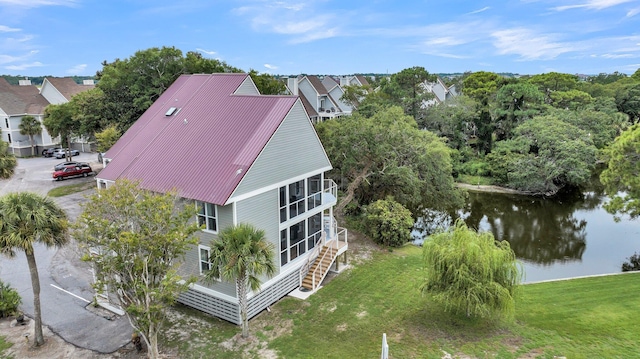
(171,111)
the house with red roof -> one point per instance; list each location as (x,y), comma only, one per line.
(239,157)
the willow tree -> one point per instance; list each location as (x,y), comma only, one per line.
(470,272)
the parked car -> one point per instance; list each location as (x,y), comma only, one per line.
(81,169)
(50,151)
(62,152)
(62,165)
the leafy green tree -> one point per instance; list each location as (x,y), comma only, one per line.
(387,154)
(571,100)
(453,119)
(545,155)
(136,239)
(554,81)
(90,112)
(632,263)
(471,273)
(267,84)
(387,222)
(354,94)
(8,161)
(628,101)
(407,89)
(58,120)
(241,254)
(605,78)
(30,126)
(131,85)
(28,218)
(620,178)
(602,127)
(107,138)
(515,103)
(482,87)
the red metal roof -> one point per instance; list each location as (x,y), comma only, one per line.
(205,148)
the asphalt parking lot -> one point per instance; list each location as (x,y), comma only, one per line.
(65,281)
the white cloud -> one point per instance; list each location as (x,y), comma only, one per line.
(633,12)
(479,10)
(4,28)
(529,45)
(619,56)
(302,21)
(37,3)
(77,69)
(206,52)
(271,67)
(592,5)
(24,66)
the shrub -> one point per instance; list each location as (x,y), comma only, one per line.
(9,300)
(388,222)
(633,264)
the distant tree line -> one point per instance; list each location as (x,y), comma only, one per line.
(38,80)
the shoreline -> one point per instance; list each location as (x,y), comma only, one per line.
(492,189)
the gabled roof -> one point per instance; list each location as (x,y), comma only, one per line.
(317,84)
(311,112)
(20,100)
(206,145)
(363,80)
(67,86)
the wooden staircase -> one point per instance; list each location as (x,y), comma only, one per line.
(319,268)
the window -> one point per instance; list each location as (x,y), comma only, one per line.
(9,137)
(204,253)
(314,184)
(207,216)
(299,197)
(6,122)
(314,223)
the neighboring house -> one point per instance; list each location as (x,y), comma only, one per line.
(17,101)
(321,97)
(27,99)
(440,91)
(353,80)
(239,157)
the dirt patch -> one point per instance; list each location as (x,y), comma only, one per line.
(54,347)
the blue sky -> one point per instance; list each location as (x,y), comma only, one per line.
(73,37)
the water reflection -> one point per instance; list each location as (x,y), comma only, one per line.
(539,230)
(555,238)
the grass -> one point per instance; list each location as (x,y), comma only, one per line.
(4,345)
(70,189)
(582,318)
(475,180)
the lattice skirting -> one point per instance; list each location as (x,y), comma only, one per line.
(230,311)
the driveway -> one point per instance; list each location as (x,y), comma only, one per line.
(65,281)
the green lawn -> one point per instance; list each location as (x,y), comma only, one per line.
(585,318)
(71,188)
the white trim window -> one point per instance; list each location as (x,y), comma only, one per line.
(204,255)
(207,216)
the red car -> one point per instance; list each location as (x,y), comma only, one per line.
(81,169)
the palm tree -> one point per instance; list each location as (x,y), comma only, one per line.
(30,126)
(241,253)
(28,218)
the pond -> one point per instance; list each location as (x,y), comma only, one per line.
(563,237)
